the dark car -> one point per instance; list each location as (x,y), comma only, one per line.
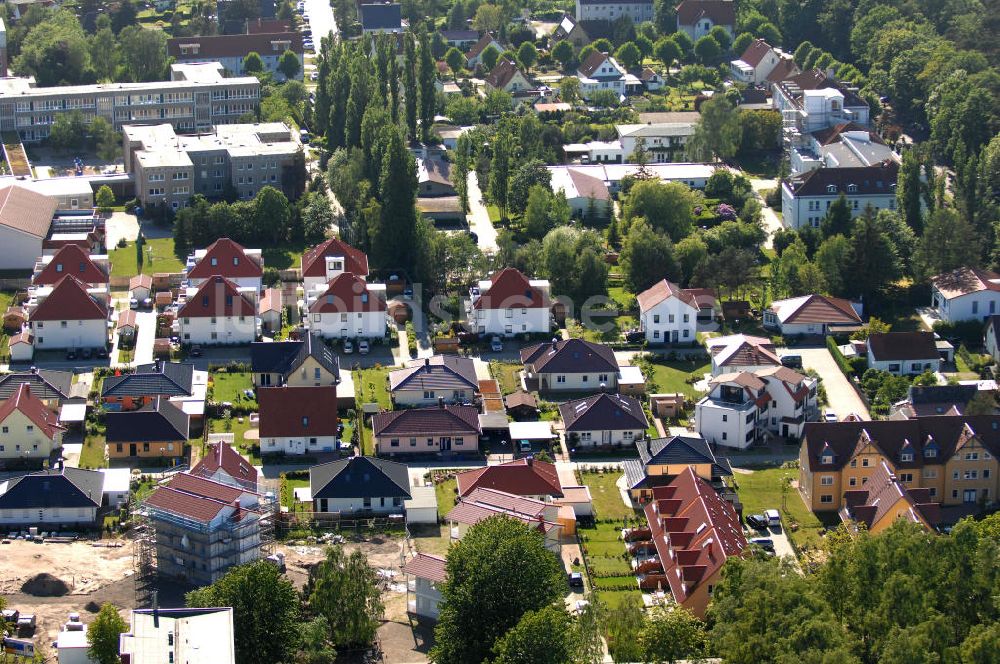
(765,543)
(757,521)
(195,351)
(792,361)
(71,354)
(87,353)
(575,580)
(634,336)
(102,353)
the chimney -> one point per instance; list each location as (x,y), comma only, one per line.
(440,402)
(555,342)
(427,362)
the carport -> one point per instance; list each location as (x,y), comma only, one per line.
(532,431)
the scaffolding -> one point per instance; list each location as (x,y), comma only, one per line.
(143,559)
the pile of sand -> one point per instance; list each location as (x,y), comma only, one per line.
(45,585)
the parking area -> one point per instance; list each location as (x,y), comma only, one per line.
(843,400)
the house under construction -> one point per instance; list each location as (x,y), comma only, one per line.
(195,529)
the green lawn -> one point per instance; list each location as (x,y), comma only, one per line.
(615,598)
(158,256)
(672,375)
(237,428)
(494,213)
(506,373)
(446,496)
(761,490)
(283,257)
(372,385)
(229,387)
(92,454)
(607,500)
(431,539)
(288,487)
(6,298)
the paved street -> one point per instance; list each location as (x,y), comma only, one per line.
(321,20)
(843,399)
(479,218)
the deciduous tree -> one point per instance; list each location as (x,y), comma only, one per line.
(103,635)
(670,635)
(544,636)
(289,64)
(646,258)
(344,589)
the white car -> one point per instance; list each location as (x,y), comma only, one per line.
(496,345)
(829,416)
(363,347)
(348,346)
(314,76)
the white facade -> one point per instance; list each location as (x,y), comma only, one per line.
(379,504)
(413,398)
(576,382)
(970,306)
(218,330)
(591,10)
(66,334)
(799,211)
(426,598)
(670,321)
(755,74)
(37,517)
(20,249)
(22,439)
(511,321)
(701,28)
(21,350)
(603,438)
(726,424)
(909,367)
(365,324)
(298,445)
(333,266)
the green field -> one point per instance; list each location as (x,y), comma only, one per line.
(229,387)
(92,454)
(372,385)
(158,256)
(762,490)
(607,499)
(672,375)
(283,257)
(506,373)
(446,496)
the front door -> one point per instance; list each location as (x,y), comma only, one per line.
(132,449)
(784,430)
(445,443)
(673,336)
(969,496)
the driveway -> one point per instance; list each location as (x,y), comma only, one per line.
(145,322)
(479,218)
(842,397)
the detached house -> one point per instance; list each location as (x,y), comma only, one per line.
(663,459)
(810,314)
(475,55)
(305,363)
(883,500)
(756,63)
(218,312)
(348,308)
(226,258)
(222,463)
(507,76)
(600,71)
(298,420)
(68,315)
(570,364)
(51,386)
(442,429)
(423,382)
(668,313)
(736,353)
(527,477)
(30,430)
(64,496)
(359,485)
(805,199)
(70,259)
(158,430)
(696,18)
(129,391)
(481,504)
(967,293)
(330,259)
(603,420)
(509,303)
(905,353)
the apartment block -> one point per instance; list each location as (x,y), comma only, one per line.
(196,98)
(229,50)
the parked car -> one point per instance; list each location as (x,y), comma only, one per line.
(71,354)
(364,347)
(829,416)
(314,76)
(773,518)
(634,336)
(133,303)
(524,445)
(765,543)
(496,345)
(757,521)
(348,346)
(793,361)
(575,580)
(195,351)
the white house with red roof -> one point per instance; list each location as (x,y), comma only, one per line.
(601,71)
(482,503)
(218,312)
(331,259)
(423,591)
(222,463)
(298,420)
(30,429)
(348,307)
(966,293)
(668,313)
(757,62)
(226,258)
(509,303)
(741,352)
(71,259)
(68,315)
(810,314)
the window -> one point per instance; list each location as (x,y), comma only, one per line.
(725,418)
(906,456)
(930,473)
(854,462)
(30,428)
(971,474)
(305,420)
(864,463)
(394,442)
(560,379)
(826,480)
(972,456)
(986,473)
(826,459)
(826,499)
(853,481)
(930,453)
(905,477)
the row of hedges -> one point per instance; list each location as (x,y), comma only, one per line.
(845,367)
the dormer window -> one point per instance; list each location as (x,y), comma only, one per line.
(852,188)
(906,456)
(831,189)
(214,261)
(236,260)
(826,459)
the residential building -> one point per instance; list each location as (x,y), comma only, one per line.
(668,313)
(74,198)
(129,391)
(736,353)
(192,636)
(611,10)
(589,189)
(692,531)
(424,381)
(68,315)
(348,307)
(460,39)
(196,98)
(756,63)
(806,199)
(966,293)
(423,590)
(359,485)
(31,430)
(57,497)
(330,259)
(603,420)
(298,420)
(222,463)
(481,504)
(90,269)
(381,17)
(218,312)
(661,460)
(507,76)
(226,258)
(304,363)
(527,477)
(270,310)
(438,430)
(696,18)
(811,314)
(601,71)
(926,400)
(509,303)
(954,457)
(652,79)
(474,57)
(230,50)
(51,386)
(434,177)
(844,145)
(740,408)
(581,33)
(158,430)
(904,353)
(664,143)
(814,100)
(884,500)
(140,287)
(204,528)
(229,160)
(570,365)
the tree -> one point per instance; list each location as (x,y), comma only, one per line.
(667,51)
(490,57)
(317,218)
(741,42)
(107,142)
(572,260)
(874,261)
(455,59)
(500,167)
(55,51)
(456,16)
(604,98)
(488,18)
(271,215)
(708,50)
(689,252)
(104,54)
(629,55)
(316,647)
(265,611)
(563,52)
(497,572)
(949,242)
(540,637)
(527,55)
(667,206)
(909,189)
(428,93)
(646,258)
(670,635)
(838,219)
(103,635)
(143,53)
(393,240)
(832,258)
(410,95)
(569,89)
(69,131)
(529,174)
(717,132)
(344,590)
(722,38)
(252,63)
(104,198)
(289,64)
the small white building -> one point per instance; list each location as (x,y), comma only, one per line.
(140,287)
(811,314)
(967,293)
(72,645)
(347,308)
(218,312)
(737,353)
(756,63)
(668,313)
(904,353)
(601,72)
(192,636)
(426,574)
(591,187)
(845,145)
(509,303)
(68,315)
(22,346)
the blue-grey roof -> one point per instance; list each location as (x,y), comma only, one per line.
(381,16)
(440,372)
(284,357)
(681,450)
(46,384)
(160,421)
(171,379)
(63,488)
(360,477)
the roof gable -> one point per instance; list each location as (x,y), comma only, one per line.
(521,477)
(815,309)
(222,456)
(26,211)
(70,259)
(570,356)
(903,346)
(62,488)
(664,290)
(440,372)
(69,300)
(156,422)
(314,260)
(225,258)
(298,411)
(31,407)
(511,289)
(720,12)
(217,297)
(360,477)
(347,293)
(603,412)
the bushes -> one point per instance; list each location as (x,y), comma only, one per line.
(838,357)
(968,332)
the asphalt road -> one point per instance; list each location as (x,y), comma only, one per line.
(321,20)
(479,218)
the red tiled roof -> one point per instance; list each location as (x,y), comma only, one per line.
(194,497)
(785,68)
(882,493)
(721,12)
(218,297)
(511,289)
(816,309)
(502,74)
(231,261)
(481,46)
(25,210)
(140,281)
(521,477)
(965,280)
(420,421)
(70,260)
(222,455)
(298,411)
(347,293)
(69,300)
(427,566)
(232,46)
(31,407)
(355,260)
(126,318)
(755,52)
(270,300)
(663,290)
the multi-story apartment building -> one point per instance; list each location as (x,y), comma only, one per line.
(610,10)
(954,457)
(805,199)
(509,303)
(240,159)
(196,98)
(230,50)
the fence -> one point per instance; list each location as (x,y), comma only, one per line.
(334,521)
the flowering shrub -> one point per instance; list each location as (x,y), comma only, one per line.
(726,212)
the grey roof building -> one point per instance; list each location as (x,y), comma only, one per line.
(46,384)
(381,17)
(48,496)
(170,379)
(359,484)
(677,452)
(447,376)
(285,357)
(159,421)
